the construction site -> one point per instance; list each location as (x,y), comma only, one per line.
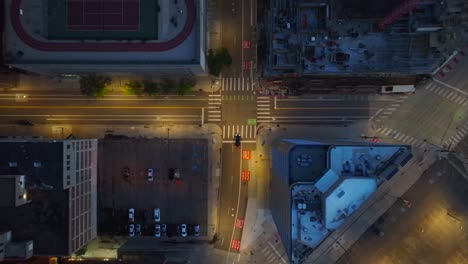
(305,38)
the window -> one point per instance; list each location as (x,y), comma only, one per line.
(68,157)
(68,146)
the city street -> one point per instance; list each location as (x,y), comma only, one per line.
(73,108)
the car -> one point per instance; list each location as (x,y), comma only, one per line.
(138,230)
(150,174)
(131,230)
(131,215)
(237,140)
(183,230)
(164,229)
(157,231)
(196,230)
(157,215)
(24,123)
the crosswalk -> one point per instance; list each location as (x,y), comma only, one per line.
(387,112)
(263,109)
(450,94)
(461,132)
(246,132)
(214,108)
(237,84)
(237,97)
(402,137)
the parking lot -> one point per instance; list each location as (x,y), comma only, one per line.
(123,183)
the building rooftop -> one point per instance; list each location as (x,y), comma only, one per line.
(138,32)
(345,175)
(315,37)
(45,219)
(27,158)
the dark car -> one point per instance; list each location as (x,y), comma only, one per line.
(237,140)
(24,123)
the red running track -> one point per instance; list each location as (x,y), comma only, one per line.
(102,47)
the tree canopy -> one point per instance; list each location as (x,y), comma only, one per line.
(218,60)
(94,85)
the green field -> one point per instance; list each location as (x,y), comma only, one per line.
(58,26)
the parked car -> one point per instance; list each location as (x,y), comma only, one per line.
(131,230)
(138,230)
(196,230)
(24,123)
(131,215)
(157,231)
(157,215)
(237,140)
(164,229)
(183,230)
(150,174)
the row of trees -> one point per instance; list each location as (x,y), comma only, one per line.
(96,86)
(166,86)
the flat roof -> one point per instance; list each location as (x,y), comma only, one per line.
(45,219)
(178,43)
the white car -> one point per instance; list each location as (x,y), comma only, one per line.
(131,230)
(131,215)
(150,174)
(157,215)
(157,231)
(183,230)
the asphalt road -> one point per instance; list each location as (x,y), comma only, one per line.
(328,109)
(238,21)
(72,108)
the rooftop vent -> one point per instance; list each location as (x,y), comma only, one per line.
(37,164)
(13,164)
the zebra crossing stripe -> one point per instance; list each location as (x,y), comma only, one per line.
(440,91)
(388,132)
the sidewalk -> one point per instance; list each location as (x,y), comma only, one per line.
(71,84)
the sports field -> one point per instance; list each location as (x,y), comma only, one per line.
(103,19)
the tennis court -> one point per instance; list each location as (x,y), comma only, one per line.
(103,19)
(107,14)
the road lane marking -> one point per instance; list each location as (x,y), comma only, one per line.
(450,86)
(376,114)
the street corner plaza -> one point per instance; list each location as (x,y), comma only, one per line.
(103,19)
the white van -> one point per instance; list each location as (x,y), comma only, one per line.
(388,89)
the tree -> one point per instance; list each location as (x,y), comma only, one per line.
(185,86)
(94,85)
(169,86)
(217,60)
(151,88)
(133,88)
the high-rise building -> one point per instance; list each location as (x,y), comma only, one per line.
(317,185)
(59,182)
